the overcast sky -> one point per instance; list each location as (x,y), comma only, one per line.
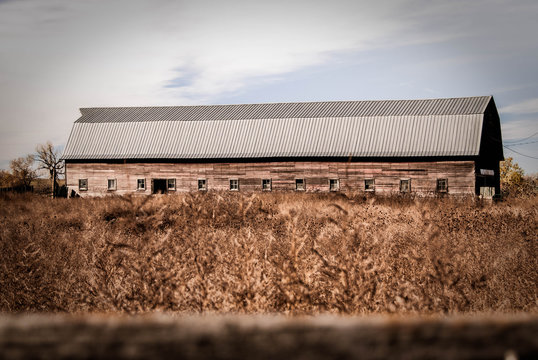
(59,55)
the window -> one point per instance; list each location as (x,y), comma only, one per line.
(369,184)
(405,185)
(300,185)
(266,185)
(334,184)
(141,184)
(442,185)
(202,184)
(83,184)
(111,184)
(234,184)
(171,184)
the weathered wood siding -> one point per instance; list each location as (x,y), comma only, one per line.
(423,175)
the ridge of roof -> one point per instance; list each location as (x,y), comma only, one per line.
(283,103)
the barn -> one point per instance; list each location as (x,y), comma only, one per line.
(426,147)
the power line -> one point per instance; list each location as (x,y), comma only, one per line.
(517,152)
(524,138)
(523,143)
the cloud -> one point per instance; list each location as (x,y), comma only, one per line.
(127,52)
(524,107)
(131,52)
(518,129)
(58,55)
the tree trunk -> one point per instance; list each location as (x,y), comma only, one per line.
(53,187)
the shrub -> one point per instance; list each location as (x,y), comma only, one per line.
(514,183)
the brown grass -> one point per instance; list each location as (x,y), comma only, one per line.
(276,252)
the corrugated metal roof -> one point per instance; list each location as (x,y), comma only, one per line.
(407,128)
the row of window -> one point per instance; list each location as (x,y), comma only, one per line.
(300,184)
(140,184)
(267,184)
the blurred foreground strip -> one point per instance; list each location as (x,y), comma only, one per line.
(267,337)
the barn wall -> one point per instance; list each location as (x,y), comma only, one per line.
(423,175)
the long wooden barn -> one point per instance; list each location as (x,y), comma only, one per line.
(425,147)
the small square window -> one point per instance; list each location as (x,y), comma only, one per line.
(83,184)
(300,185)
(171,184)
(369,184)
(334,184)
(234,184)
(266,185)
(202,184)
(405,185)
(111,184)
(141,184)
(442,185)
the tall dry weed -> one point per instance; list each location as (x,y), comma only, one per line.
(267,252)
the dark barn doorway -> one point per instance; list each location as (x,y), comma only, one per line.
(158,186)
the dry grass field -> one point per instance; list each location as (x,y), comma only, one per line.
(268,252)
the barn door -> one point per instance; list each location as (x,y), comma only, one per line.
(158,186)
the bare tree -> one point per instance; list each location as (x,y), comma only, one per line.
(49,160)
(22,171)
